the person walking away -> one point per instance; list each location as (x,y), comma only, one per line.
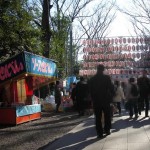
(57,95)
(73,96)
(144,88)
(81,95)
(101,91)
(119,95)
(123,85)
(132,97)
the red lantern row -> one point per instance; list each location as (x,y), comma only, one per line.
(113,72)
(116,56)
(116,48)
(123,64)
(116,41)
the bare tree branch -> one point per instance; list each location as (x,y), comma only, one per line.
(100,21)
(139,14)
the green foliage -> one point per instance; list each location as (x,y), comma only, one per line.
(20,29)
(59,40)
(17,31)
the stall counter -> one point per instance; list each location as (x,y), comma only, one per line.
(20,114)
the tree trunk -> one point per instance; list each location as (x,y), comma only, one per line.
(46,27)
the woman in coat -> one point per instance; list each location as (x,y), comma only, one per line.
(119,95)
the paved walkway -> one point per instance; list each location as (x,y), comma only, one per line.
(126,134)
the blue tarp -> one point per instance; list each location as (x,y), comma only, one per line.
(69,80)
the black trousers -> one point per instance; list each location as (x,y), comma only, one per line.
(57,106)
(143,100)
(98,118)
(118,106)
(80,106)
(133,109)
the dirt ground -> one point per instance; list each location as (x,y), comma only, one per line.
(35,135)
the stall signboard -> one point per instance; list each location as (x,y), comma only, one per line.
(12,67)
(38,65)
(29,63)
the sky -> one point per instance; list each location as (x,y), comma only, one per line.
(121,26)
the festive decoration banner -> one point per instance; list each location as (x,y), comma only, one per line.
(122,56)
(27,63)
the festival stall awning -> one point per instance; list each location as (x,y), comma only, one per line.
(24,64)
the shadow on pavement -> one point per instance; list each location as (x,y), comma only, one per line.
(75,139)
(123,123)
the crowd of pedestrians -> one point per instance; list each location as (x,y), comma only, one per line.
(103,94)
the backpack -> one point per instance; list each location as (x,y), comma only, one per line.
(134,90)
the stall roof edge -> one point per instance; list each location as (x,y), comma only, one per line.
(29,53)
(42,56)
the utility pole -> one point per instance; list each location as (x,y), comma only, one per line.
(71,59)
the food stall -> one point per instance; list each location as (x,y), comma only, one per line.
(20,76)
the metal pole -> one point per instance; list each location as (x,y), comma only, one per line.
(71,61)
(66,64)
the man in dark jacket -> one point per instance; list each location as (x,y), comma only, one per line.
(144,88)
(81,95)
(57,95)
(101,90)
